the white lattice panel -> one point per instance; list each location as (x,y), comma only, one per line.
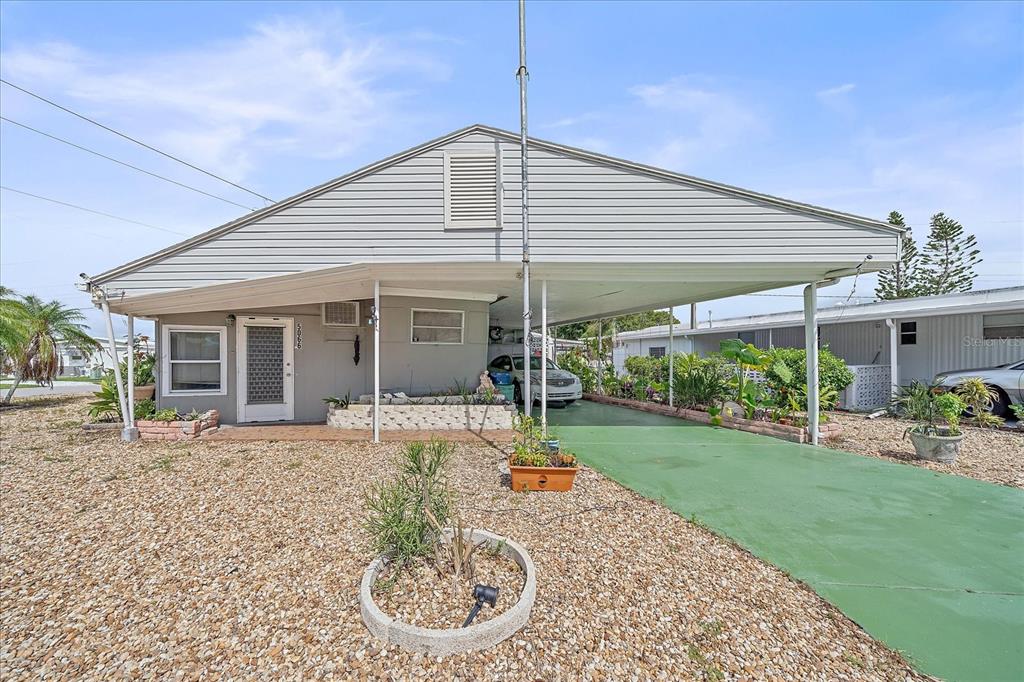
(870,388)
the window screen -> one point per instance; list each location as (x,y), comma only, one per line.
(656,351)
(437,326)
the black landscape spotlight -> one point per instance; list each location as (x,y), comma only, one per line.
(484,594)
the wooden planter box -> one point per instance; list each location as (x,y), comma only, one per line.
(795,434)
(558,479)
(178,430)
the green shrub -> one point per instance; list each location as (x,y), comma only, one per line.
(168,414)
(832,373)
(576,361)
(398,510)
(647,370)
(699,382)
(145,408)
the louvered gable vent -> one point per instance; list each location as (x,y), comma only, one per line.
(471,190)
(341,314)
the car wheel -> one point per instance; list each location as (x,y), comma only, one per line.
(517,394)
(565,403)
(1001,404)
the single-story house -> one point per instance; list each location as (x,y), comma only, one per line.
(927,335)
(393,276)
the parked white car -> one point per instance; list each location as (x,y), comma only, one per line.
(563,387)
(1007,381)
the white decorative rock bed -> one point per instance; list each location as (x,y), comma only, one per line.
(437,642)
(424,414)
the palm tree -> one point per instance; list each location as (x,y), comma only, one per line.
(35,333)
(13,330)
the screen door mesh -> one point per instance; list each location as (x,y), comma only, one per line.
(265,360)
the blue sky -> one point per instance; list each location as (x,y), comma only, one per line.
(860,107)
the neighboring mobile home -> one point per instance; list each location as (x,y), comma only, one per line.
(407,265)
(930,335)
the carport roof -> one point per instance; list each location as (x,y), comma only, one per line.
(576,291)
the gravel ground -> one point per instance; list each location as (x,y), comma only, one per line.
(421,597)
(996,456)
(242,560)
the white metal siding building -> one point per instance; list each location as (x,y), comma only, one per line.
(437,229)
(931,334)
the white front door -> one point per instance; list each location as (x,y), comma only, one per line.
(265,369)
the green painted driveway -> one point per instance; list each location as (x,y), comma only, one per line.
(931,564)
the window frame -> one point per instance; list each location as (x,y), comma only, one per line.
(165,359)
(904,334)
(988,323)
(413,327)
(651,353)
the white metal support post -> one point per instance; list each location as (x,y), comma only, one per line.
(671,355)
(376,361)
(130,382)
(894,365)
(544,356)
(600,357)
(811,344)
(128,433)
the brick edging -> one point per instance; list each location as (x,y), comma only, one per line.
(794,434)
(150,429)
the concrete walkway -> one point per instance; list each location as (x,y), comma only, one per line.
(322,432)
(929,563)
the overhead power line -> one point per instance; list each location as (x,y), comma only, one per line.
(124,163)
(132,139)
(90,210)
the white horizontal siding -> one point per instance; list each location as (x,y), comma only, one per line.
(579,211)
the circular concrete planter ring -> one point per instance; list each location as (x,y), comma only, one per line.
(454,640)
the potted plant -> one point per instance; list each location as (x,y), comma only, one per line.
(145,384)
(535,465)
(936,436)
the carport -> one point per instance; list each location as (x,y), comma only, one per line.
(927,562)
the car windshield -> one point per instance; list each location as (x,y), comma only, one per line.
(534,363)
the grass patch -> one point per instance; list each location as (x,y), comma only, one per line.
(712,628)
(162,463)
(292,465)
(853,659)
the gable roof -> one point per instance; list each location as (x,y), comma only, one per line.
(573,152)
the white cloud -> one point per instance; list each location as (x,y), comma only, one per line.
(837,91)
(705,116)
(287,86)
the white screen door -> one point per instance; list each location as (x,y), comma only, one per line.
(266,376)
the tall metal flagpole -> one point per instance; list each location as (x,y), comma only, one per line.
(522,75)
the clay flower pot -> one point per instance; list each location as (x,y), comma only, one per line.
(558,479)
(145,391)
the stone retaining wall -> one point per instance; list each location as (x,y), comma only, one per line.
(795,434)
(424,417)
(178,430)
